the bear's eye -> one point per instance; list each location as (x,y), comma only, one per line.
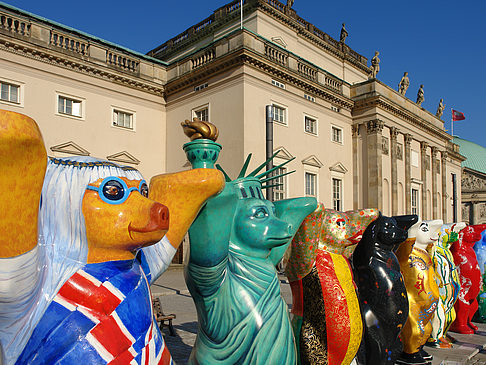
(113,190)
(260,213)
(144,190)
(341,222)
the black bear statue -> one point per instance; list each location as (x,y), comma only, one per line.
(382,293)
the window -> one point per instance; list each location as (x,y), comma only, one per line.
(202,114)
(310,125)
(69,106)
(280,191)
(415,201)
(337,194)
(310,184)
(310,98)
(335,108)
(122,119)
(10,93)
(279,114)
(278,84)
(337,134)
(200,87)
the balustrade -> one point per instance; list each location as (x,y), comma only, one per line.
(203,58)
(307,71)
(69,43)
(121,61)
(276,55)
(14,25)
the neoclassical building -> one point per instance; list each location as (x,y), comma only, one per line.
(473,181)
(355,142)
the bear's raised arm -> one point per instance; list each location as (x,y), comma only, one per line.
(23,163)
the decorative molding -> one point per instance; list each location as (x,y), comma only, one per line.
(280,41)
(70,148)
(471,182)
(60,59)
(435,151)
(374,126)
(407,137)
(123,157)
(312,160)
(355,130)
(283,153)
(339,168)
(394,131)
(385,145)
(379,101)
(399,151)
(423,147)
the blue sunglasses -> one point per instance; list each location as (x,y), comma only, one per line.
(114,190)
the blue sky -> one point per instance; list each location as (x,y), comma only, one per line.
(442,44)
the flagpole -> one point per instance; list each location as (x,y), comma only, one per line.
(452,124)
(241,14)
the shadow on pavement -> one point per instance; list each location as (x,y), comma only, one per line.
(180,345)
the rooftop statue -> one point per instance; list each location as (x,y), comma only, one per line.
(440,109)
(326,316)
(403,84)
(420,95)
(480,249)
(343,35)
(448,280)
(381,290)
(236,241)
(422,291)
(79,287)
(375,65)
(470,277)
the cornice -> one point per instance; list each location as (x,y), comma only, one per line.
(245,56)
(78,65)
(383,103)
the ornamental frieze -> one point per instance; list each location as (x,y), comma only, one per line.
(472,183)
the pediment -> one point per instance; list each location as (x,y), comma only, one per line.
(338,167)
(123,157)
(70,148)
(279,41)
(312,160)
(283,153)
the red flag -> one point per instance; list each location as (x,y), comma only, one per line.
(457,115)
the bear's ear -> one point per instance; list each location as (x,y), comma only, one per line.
(406,221)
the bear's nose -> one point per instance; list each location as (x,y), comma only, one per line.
(159,215)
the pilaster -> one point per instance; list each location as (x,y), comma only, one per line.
(356,166)
(408,173)
(443,170)
(394,175)
(374,129)
(423,170)
(435,213)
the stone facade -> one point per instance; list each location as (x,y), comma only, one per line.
(473,196)
(356,142)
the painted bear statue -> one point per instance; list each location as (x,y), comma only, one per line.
(470,277)
(422,290)
(81,242)
(480,249)
(235,243)
(381,289)
(326,316)
(447,279)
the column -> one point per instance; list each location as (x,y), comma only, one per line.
(394,176)
(435,213)
(423,169)
(408,174)
(374,130)
(443,167)
(356,166)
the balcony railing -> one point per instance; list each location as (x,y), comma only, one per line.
(203,58)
